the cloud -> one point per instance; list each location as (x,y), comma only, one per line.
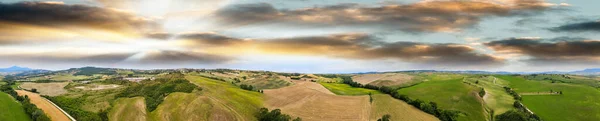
(207,39)
(556,50)
(66,58)
(159,35)
(166,57)
(590,26)
(367,47)
(426,16)
(74,19)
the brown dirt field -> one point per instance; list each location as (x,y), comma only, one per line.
(50,89)
(54,113)
(309,101)
(97,87)
(396,78)
(227,75)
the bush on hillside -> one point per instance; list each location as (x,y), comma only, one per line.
(155,91)
(274,115)
(72,106)
(385,117)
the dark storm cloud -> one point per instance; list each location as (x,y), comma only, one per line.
(563,49)
(59,15)
(366,47)
(60,58)
(591,26)
(451,54)
(418,17)
(178,57)
(159,35)
(208,39)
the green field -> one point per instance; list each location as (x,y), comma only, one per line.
(345,89)
(185,106)
(271,82)
(450,94)
(11,109)
(577,103)
(561,78)
(496,98)
(128,109)
(400,111)
(241,103)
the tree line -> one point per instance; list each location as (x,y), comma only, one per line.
(428,107)
(521,114)
(275,115)
(35,113)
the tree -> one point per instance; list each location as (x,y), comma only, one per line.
(34,90)
(481,92)
(385,117)
(511,116)
(274,115)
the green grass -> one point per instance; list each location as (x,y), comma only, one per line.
(241,103)
(11,109)
(128,109)
(450,94)
(578,102)
(497,98)
(272,82)
(345,89)
(184,106)
(16,85)
(560,78)
(400,111)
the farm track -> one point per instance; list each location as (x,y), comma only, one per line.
(237,114)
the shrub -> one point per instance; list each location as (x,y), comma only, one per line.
(385,117)
(274,115)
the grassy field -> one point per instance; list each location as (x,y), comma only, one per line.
(271,82)
(190,106)
(345,89)
(11,109)
(561,78)
(577,103)
(128,109)
(496,98)
(400,111)
(241,103)
(450,94)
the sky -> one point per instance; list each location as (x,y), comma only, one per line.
(309,36)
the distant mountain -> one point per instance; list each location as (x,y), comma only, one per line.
(593,71)
(15,69)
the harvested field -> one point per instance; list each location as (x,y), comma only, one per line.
(97,87)
(50,89)
(54,113)
(309,101)
(385,79)
(128,109)
(398,110)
